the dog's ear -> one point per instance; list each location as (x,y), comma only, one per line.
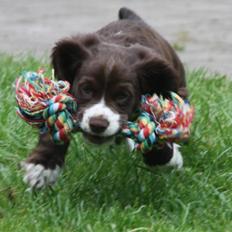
(156,75)
(69,54)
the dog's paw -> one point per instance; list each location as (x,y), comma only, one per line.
(177,159)
(37,176)
(130,144)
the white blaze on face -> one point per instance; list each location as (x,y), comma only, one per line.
(100,109)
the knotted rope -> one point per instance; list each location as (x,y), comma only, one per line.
(47,104)
(160,120)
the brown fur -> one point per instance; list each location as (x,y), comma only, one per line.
(124,59)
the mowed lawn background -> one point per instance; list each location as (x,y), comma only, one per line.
(107,189)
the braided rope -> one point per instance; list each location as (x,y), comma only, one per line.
(46,104)
(142,131)
(160,120)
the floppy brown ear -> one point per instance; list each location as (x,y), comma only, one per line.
(156,76)
(67,57)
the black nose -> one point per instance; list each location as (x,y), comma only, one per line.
(98,124)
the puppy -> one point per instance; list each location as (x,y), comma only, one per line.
(109,70)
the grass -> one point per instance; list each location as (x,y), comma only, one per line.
(107,189)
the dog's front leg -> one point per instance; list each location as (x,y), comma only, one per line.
(168,154)
(43,165)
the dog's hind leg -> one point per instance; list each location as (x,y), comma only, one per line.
(125,13)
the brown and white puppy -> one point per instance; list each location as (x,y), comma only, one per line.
(109,70)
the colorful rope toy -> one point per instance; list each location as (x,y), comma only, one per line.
(160,120)
(47,104)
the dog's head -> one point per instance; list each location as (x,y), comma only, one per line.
(108,81)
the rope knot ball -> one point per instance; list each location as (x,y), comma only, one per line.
(160,120)
(48,105)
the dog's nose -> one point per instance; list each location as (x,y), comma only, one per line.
(98,124)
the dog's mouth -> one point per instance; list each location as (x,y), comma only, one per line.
(97,139)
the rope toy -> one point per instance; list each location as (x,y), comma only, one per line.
(47,105)
(161,120)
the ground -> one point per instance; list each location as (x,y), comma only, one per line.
(108,189)
(199,30)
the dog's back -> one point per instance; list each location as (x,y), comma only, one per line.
(131,30)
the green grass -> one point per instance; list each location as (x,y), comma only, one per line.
(109,190)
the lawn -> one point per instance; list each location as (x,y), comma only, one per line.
(107,189)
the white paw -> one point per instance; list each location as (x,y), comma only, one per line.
(130,144)
(176,160)
(37,176)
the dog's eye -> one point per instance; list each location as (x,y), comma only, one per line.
(86,91)
(122,98)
